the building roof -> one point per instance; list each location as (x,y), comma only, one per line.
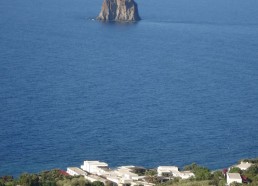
(234,176)
(123,172)
(167,168)
(77,170)
(244,165)
(93,178)
(96,163)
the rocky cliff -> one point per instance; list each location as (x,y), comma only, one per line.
(119,10)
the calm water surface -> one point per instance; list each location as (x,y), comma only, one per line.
(180,86)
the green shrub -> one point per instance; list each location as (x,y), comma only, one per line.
(201,173)
(97,183)
(235,170)
(151,172)
(254,160)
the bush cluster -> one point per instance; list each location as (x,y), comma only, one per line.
(47,178)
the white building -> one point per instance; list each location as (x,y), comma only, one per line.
(185,174)
(95,167)
(126,172)
(137,183)
(119,180)
(233,177)
(244,165)
(75,171)
(93,178)
(172,171)
(124,175)
(167,170)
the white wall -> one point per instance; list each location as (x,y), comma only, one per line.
(231,180)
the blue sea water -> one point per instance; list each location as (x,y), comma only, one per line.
(178,87)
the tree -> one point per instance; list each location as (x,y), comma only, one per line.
(222,183)
(255,160)
(25,180)
(191,167)
(81,181)
(7,178)
(97,183)
(74,182)
(49,183)
(217,176)
(34,180)
(201,173)
(153,179)
(139,171)
(235,170)
(251,173)
(253,170)
(151,172)
(109,183)
(236,184)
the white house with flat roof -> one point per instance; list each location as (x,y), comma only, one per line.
(93,178)
(233,177)
(75,171)
(120,181)
(95,167)
(167,170)
(173,171)
(126,172)
(244,165)
(124,175)
(99,171)
(185,174)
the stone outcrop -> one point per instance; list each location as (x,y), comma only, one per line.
(119,10)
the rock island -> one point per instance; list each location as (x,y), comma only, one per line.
(119,11)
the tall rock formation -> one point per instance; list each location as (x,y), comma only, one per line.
(119,10)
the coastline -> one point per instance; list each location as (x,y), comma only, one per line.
(93,173)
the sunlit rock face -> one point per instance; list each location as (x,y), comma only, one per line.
(119,10)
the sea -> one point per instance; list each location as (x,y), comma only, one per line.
(180,86)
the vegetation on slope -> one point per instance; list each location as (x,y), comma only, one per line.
(203,177)
(47,178)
